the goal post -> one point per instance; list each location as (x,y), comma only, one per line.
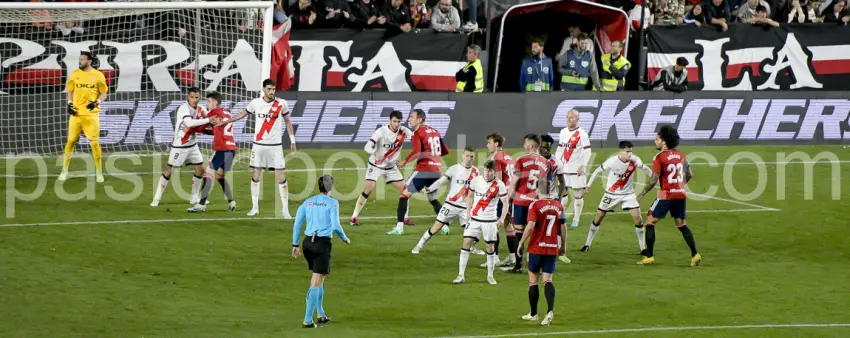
(150,54)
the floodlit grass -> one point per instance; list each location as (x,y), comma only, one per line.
(775,258)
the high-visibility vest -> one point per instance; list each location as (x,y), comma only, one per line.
(537,71)
(609,83)
(479,77)
(581,65)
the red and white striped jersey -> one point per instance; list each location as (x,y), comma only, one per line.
(387,144)
(268,120)
(459,177)
(184,139)
(486,198)
(621,175)
(571,146)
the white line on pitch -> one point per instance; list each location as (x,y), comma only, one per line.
(208,219)
(129,173)
(658,329)
(727,200)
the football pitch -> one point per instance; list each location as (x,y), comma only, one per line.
(86,259)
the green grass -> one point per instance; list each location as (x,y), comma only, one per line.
(784,261)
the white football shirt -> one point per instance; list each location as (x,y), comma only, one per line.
(459,180)
(181,138)
(387,144)
(486,198)
(268,120)
(570,153)
(621,175)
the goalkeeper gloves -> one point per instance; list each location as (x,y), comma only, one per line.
(92,105)
(71,109)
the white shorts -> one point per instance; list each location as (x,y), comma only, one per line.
(179,156)
(488,231)
(449,212)
(609,201)
(574,181)
(390,175)
(267,157)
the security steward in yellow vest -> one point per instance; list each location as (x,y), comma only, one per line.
(614,69)
(470,78)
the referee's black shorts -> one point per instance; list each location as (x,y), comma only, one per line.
(318,254)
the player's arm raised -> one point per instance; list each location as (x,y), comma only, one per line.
(291,131)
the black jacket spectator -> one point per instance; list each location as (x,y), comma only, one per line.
(337,8)
(301,13)
(835,12)
(715,11)
(363,10)
(397,16)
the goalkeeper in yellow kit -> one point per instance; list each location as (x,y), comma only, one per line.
(86,90)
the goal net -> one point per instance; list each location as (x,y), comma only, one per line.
(150,53)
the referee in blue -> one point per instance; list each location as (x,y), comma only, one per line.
(322,215)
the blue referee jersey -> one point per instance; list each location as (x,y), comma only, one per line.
(322,215)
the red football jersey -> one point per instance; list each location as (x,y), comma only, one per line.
(428,148)
(530,168)
(548,216)
(670,166)
(223,134)
(504,166)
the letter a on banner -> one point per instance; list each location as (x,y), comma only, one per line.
(797,60)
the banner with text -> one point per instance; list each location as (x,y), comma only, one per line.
(755,57)
(230,62)
(347,120)
(374,60)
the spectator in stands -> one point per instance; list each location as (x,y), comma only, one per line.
(812,11)
(669,12)
(761,18)
(472,24)
(673,78)
(536,74)
(615,67)
(366,14)
(334,13)
(470,78)
(792,13)
(751,9)
(718,14)
(695,17)
(420,14)
(572,40)
(398,16)
(634,15)
(445,17)
(577,66)
(303,15)
(836,13)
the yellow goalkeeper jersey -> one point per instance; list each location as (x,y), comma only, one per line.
(87,87)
